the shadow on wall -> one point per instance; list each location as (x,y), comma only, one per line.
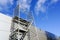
(50,36)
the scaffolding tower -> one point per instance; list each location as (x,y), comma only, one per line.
(19,26)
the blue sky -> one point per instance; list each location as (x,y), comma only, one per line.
(46,13)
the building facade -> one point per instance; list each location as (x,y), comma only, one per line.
(33,32)
(5,23)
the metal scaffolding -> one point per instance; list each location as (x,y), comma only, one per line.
(19,26)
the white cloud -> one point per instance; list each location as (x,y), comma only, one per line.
(4,5)
(11,1)
(39,6)
(54,1)
(25,4)
(4,2)
(0,8)
(41,1)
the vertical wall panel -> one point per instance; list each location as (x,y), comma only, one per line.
(5,23)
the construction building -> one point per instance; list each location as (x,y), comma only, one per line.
(17,28)
(33,33)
